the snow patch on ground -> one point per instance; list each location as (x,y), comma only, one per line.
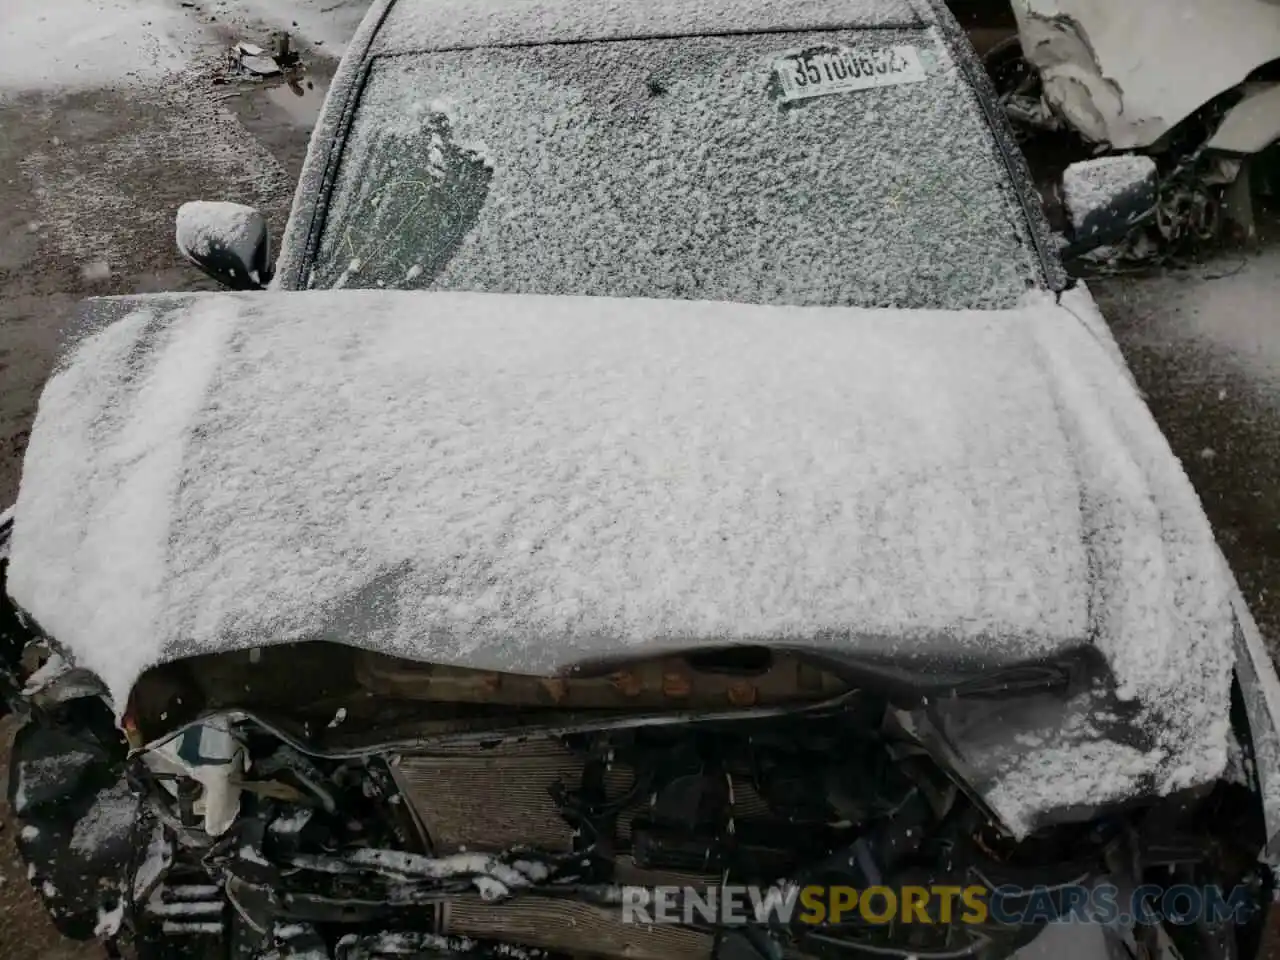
(96,270)
(59,45)
(1228,305)
(83,44)
(98,197)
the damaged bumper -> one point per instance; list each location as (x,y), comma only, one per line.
(482,833)
(453,813)
(428,812)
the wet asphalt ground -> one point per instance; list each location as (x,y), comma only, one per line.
(89,184)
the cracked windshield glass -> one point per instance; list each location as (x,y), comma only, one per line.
(847,168)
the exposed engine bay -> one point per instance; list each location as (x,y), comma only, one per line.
(445,812)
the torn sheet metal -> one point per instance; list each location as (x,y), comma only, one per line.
(1125,73)
(1253,124)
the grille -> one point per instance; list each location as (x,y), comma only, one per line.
(498,798)
(493,799)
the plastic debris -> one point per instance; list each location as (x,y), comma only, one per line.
(253,59)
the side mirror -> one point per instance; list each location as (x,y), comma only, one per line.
(228,241)
(1105,198)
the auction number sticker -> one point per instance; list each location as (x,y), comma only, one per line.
(819,73)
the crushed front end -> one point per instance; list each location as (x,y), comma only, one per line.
(316,801)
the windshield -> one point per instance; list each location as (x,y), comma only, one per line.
(841,168)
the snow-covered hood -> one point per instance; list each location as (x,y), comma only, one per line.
(526,483)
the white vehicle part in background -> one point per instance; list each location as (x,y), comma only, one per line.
(1126,73)
(1251,125)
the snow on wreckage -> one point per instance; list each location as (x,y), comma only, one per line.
(527,484)
(483,603)
(981,552)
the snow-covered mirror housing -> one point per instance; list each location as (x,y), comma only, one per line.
(1105,198)
(228,241)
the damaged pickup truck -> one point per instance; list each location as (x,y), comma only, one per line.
(669,457)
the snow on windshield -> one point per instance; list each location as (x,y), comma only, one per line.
(676,168)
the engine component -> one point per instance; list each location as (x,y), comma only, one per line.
(499,798)
(744,802)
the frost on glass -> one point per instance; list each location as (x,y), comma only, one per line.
(675,168)
(416,195)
